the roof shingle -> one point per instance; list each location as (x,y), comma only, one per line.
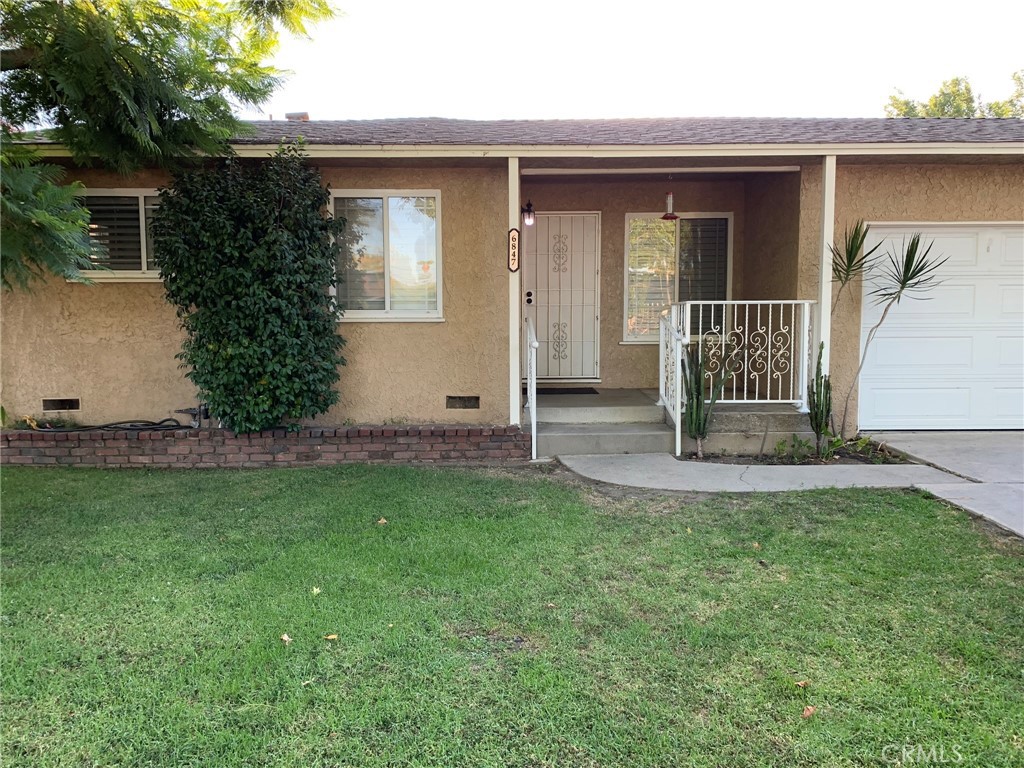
(681,131)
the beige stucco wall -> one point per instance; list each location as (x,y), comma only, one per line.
(113,344)
(772,234)
(633,365)
(895,193)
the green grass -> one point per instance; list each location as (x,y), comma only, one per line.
(496,620)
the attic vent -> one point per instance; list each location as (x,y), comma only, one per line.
(62,404)
(462,401)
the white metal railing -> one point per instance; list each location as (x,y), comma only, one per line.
(531,382)
(670,358)
(762,347)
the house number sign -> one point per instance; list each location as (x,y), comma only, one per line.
(513,250)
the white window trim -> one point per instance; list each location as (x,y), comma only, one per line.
(626,340)
(401,315)
(144,275)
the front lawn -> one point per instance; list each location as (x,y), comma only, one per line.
(497,619)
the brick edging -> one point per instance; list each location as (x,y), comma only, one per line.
(207,448)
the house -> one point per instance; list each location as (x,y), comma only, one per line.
(437,324)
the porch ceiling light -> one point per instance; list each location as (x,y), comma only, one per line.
(528,215)
(669,216)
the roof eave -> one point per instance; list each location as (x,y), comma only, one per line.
(617,150)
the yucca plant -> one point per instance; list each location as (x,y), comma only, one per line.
(848,261)
(906,273)
(819,403)
(698,410)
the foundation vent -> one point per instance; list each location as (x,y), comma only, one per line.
(465,402)
(62,404)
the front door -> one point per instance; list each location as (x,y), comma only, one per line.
(561,292)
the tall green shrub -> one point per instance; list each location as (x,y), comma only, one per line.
(247,253)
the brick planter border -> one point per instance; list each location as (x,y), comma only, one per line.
(208,448)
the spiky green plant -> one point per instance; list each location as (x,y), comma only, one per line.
(819,403)
(698,409)
(906,273)
(850,260)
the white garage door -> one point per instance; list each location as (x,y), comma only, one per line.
(955,360)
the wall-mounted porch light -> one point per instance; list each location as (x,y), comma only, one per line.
(528,215)
(669,216)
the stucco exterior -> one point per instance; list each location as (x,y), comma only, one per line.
(113,345)
(889,192)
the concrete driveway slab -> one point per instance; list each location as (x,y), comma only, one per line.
(994,459)
(1002,503)
(664,472)
(988,457)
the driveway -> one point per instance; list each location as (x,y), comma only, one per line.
(994,461)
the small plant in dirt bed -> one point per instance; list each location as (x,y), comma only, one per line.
(819,404)
(698,369)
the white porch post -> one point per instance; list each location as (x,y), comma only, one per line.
(515,406)
(823,317)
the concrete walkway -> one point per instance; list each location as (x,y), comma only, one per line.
(982,472)
(663,471)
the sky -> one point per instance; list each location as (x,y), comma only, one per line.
(639,58)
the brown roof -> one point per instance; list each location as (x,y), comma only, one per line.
(641,131)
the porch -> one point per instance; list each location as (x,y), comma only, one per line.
(631,421)
(756,364)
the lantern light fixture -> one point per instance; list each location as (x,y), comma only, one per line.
(669,204)
(528,215)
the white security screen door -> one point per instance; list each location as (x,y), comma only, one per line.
(561,291)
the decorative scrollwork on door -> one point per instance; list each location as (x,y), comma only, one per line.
(560,253)
(559,341)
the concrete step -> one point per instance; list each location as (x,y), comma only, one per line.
(590,439)
(607,406)
(599,414)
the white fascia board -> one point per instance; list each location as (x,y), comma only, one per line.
(601,151)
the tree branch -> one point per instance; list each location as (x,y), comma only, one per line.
(18,58)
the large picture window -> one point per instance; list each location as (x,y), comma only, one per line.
(119,226)
(672,261)
(391,252)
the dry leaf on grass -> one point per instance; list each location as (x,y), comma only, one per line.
(808,711)
(315,590)
(330,637)
(285,639)
(757,545)
(802,683)
(382,521)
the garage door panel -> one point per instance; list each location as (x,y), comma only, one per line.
(899,352)
(1011,301)
(956,359)
(1010,352)
(1013,250)
(1008,403)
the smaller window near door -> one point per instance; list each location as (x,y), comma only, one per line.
(391,254)
(667,262)
(119,226)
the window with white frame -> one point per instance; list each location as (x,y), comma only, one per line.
(391,254)
(672,261)
(119,224)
